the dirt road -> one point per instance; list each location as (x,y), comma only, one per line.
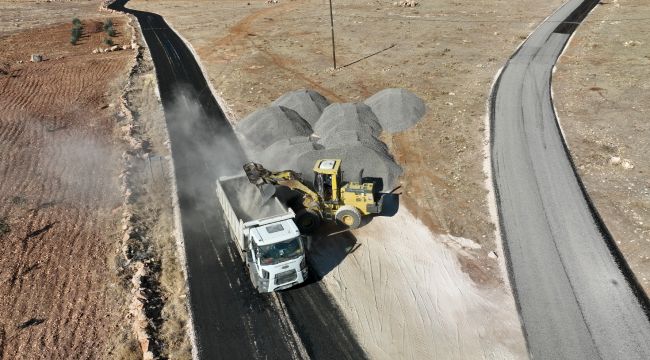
(576,296)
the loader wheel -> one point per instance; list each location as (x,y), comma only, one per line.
(307,221)
(348,216)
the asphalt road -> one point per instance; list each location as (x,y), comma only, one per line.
(576,296)
(232,321)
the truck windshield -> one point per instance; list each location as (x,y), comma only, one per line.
(282,251)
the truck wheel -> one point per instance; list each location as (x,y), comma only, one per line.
(348,216)
(307,221)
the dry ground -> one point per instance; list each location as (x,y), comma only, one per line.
(446,52)
(59,192)
(602,94)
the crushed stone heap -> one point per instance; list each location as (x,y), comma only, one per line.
(302,126)
(307,103)
(396,109)
(270,124)
(283,154)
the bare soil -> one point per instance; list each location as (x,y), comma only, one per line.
(446,52)
(601,94)
(59,191)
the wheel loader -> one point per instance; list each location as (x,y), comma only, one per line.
(332,199)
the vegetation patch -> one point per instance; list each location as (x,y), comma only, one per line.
(77,29)
(4,226)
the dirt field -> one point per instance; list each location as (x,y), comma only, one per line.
(445,52)
(59,194)
(442,52)
(601,94)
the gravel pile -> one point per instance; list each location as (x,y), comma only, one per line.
(283,154)
(396,109)
(307,103)
(279,136)
(337,118)
(268,125)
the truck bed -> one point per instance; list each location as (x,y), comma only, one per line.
(246,200)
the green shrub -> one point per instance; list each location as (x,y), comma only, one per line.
(108,24)
(4,227)
(108,28)
(108,42)
(76,22)
(75,35)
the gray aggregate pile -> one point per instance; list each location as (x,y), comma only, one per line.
(349,137)
(354,159)
(283,154)
(278,136)
(270,124)
(347,117)
(396,109)
(307,103)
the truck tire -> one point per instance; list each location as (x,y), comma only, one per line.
(307,221)
(348,216)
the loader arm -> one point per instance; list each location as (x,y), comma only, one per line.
(259,176)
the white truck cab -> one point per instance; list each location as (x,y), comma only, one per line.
(278,253)
(265,234)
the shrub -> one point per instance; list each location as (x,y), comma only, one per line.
(108,28)
(4,227)
(76,34)
(76,22)
(108,42)
(108,24)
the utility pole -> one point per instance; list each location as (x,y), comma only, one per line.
(332,27)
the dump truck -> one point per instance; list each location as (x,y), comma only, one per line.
(331,199)
(265,233)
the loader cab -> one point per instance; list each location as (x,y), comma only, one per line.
(327,179)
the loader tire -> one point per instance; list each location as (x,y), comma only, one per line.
(307,221)
(348,216)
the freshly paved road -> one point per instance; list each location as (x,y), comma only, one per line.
(232,321)
(577,298)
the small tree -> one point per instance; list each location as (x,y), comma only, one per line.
(76,22)
(75,35)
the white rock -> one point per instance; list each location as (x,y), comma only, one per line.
(492,255)
(615,160)
(627,164)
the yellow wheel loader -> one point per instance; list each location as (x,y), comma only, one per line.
(331,199)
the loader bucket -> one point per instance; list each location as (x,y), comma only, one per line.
(255,173)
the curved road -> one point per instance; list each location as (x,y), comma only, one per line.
(231,320)
(576,296)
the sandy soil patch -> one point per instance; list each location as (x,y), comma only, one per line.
(59,193)
(601,94)
(402,288)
